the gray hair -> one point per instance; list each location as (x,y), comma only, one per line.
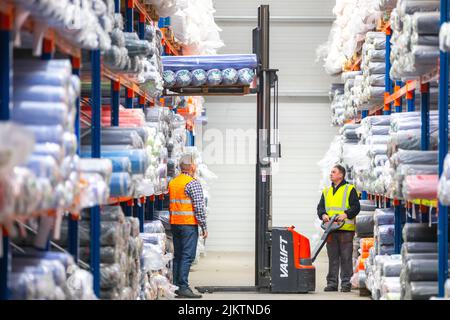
(186,161)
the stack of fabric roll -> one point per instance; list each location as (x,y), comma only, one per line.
(120,252)
(350,96)
(409,169)
(384,231)
(37,275)
(156,257)
(337,104)
(444,183)
(43,102)
(386,277)
(85,25)
(420,262)
(374,132)
(415,42)
(184,71)
(373,66)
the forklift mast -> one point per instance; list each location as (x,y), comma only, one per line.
(268,149)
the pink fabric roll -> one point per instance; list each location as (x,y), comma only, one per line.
(421,187)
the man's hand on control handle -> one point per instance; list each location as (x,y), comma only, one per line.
(205,234)
(325,218)
(341,217)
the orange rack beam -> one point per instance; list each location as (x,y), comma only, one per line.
(410,86)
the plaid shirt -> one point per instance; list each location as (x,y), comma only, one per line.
(194,191)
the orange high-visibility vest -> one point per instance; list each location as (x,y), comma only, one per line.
(181,208)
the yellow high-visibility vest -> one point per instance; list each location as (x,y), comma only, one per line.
(339,202)
(180,207)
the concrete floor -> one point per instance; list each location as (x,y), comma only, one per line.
(236,269)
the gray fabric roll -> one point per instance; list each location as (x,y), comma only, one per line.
(425,54)
(367,205)
(419,256)
(364,224)
(415,157)
(107,254)
(386,234)
(108,213)
(420,290)
(384,216)
(392,268)
(426,22)
(419,247)
(421,270)
(419,232)
(109,233)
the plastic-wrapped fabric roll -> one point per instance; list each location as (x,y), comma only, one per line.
(421,270)
(183,78)
(100,166)
(408,7)
(109,233)
(47,134)
(169,78)
(384,216)
(376,68)
(141,131)
(199,77)
(420,187)
(134,223)
(229,76)
(138,158)
(420,290)
(426,22)
(415,157)
(25,78)
(41,93)
(235,61)
(43,166)
(419,256)
(64,258)
(416,169)
(53,267)
(364,224)
(108,213)
(376,79)
(49,149)
(214,77)
(107,254)
(419,232)
(246,76)
(118,137)
(367,205)
(112,294)
(386,249)
(111,276)
(392,268)
(424,40)
(419,247)
(386,234)
(120,184)
(155,226)
(120,164)
(425,54)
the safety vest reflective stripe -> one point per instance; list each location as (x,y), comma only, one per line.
(182,213)
(181,201)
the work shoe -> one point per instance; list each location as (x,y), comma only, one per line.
(330,288)
(187,293)
(346,289)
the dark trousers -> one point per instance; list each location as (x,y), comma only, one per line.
(185,239)
(340,250)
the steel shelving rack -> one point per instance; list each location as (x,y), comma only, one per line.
(394,93)
(54,42)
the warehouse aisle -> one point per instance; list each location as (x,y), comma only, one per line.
(236,268)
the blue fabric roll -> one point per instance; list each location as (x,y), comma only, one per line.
(246,76)
(42,93)
(183,78)
(169,78)
(214,77)
(38,113)
(229,76)
(138,158)
(386,234)
(50,134)
(48,149)
(42,166)
(199,77)
(120,185)
(223,61)
(25,78)
(121,164)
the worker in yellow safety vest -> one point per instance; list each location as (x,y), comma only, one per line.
(341,198)
(187,214)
